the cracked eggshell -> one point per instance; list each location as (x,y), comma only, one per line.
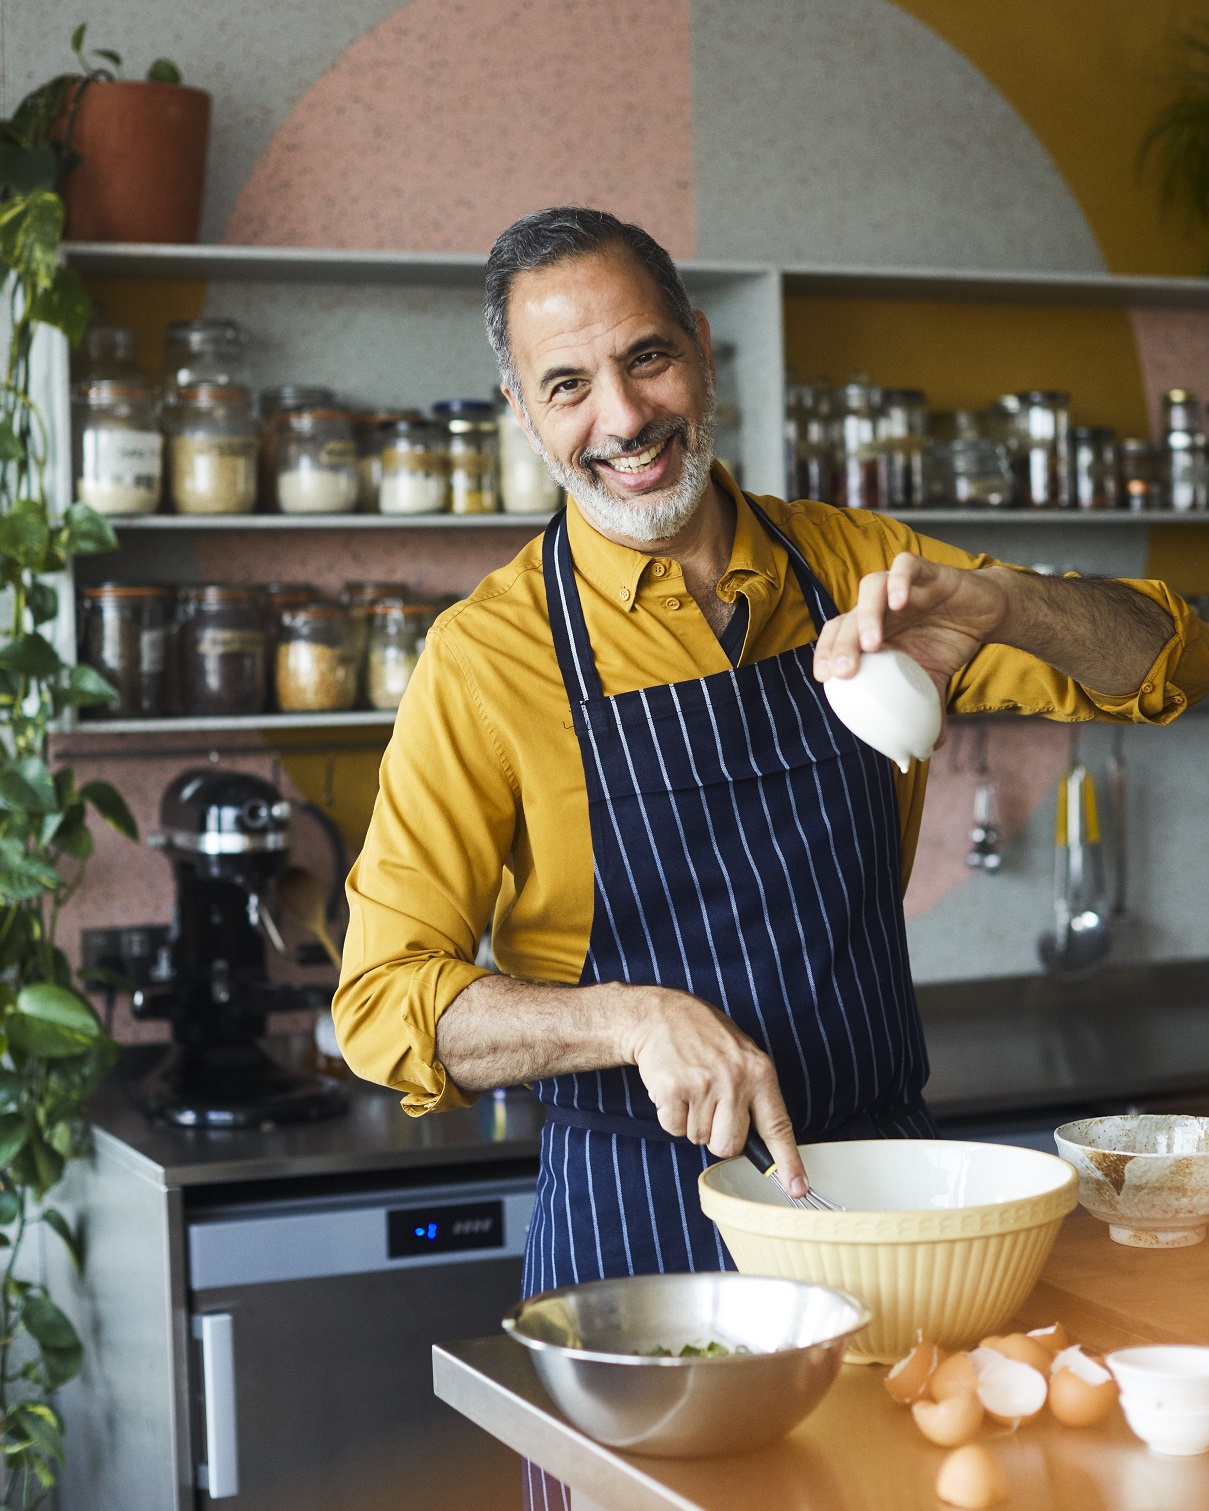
(891,703)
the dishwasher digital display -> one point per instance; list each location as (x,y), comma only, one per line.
(411,1231)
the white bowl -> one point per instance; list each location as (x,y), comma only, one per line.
(1170,1377)
(1146,1176)
(1180,1433)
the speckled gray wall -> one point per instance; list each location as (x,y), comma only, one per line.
(844,131)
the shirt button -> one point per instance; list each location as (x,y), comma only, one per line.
(673,603)
(623,594)
(659,569)
(1148,687)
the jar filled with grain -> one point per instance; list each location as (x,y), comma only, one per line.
(284,399)
(414,468)
(316,461)
(396,638)
(279,597)
(117,446)
(358,598)
(203,351)
(526,487)
(221,633)
(212,449)
(473,441)
(372,431)
(315,668)
(124,636)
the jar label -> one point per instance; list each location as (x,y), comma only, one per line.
(216,642)
(152,647)
(122,458)
(338,454)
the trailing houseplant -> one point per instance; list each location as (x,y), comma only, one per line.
(1177,143)
(53,1049)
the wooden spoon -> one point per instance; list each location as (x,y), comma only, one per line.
(302,898)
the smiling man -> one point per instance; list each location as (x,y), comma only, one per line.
(616,754)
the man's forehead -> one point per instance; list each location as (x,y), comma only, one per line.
(581,299)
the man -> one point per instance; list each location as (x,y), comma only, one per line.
(619,744)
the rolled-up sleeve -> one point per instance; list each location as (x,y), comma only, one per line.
(423,888)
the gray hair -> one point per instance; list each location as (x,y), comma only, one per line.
(551,236)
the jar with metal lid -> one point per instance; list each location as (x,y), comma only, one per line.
(969,474)
(284,398)
(1141,475)
(372,430)
(1185,458)
(117,445)
(124,636)
(808,441)
(315,667)
(414,468)
(358,598)
(855,410)
(902,438)
(396,638)
(1042,459)
(212,449)
(316,462)
(526,486)
(1094,464)
(221,631)
(204,351)
(107,351)
(280,596)
(473,454)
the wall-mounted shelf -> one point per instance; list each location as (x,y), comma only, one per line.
(253,723)
(187,522)
(1028,517)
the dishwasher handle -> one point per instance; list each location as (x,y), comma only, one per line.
(219,1475)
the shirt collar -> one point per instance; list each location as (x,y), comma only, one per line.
(616,571)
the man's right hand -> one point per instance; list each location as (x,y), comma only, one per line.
(707,1079)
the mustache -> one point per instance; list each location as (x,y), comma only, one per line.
(650,435)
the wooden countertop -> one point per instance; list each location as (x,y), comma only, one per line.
(858,1451)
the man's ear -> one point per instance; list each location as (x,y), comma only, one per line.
(519,411)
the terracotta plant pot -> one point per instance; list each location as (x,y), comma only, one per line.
(143,162)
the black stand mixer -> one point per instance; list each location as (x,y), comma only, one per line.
(227,835)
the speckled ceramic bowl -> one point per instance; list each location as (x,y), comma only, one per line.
(1147,1177)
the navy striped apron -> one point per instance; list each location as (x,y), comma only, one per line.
(746,849)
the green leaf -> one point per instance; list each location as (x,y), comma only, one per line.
(65,305)
(13,1132)
(55,1220)
(111,805)
(87,533)
(24,877)
(25,533)
(39,1423)
(62,1364)
(11,1088)
(31,656)
(74,838)
(10,1205)
(42,601)
(84,687)
(110,57)
(31,227)
(26,784)
(11,449)
(164,71)
(45,1003)
(77,36)
(24,169)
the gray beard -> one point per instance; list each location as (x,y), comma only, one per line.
(655,517)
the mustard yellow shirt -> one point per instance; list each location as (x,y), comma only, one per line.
(482,812)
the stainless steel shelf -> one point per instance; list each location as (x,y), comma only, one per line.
(191,522)
(359,719)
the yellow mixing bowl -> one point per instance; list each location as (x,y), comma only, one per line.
(942,1236)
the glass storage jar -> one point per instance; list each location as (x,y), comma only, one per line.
(473,454)
(808,441)
(117,446)
(372,429)
(526,486)
(358,598)
(1185,460)
(414,468)
(212,449)
(283,399)
(316,462)
(855,411)
(107,351)
(902,438)
(221,630)
(396,638)
(969,474)
(1042,459)
(1094,463)
(124,636)
(1141,475)
(203,351)
(280,596)
(315,669)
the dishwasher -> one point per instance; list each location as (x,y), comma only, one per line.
(312,1322)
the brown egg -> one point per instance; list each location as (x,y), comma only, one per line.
(955,1375)
(1081,1391)
(1053,1338)
(950,1422)
(971,1478)
(908,1379)
(1021,1347)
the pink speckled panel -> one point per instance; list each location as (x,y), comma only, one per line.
(1025,761)
(1173,352)
(439,127)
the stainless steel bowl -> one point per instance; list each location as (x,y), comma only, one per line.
(592,1347)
